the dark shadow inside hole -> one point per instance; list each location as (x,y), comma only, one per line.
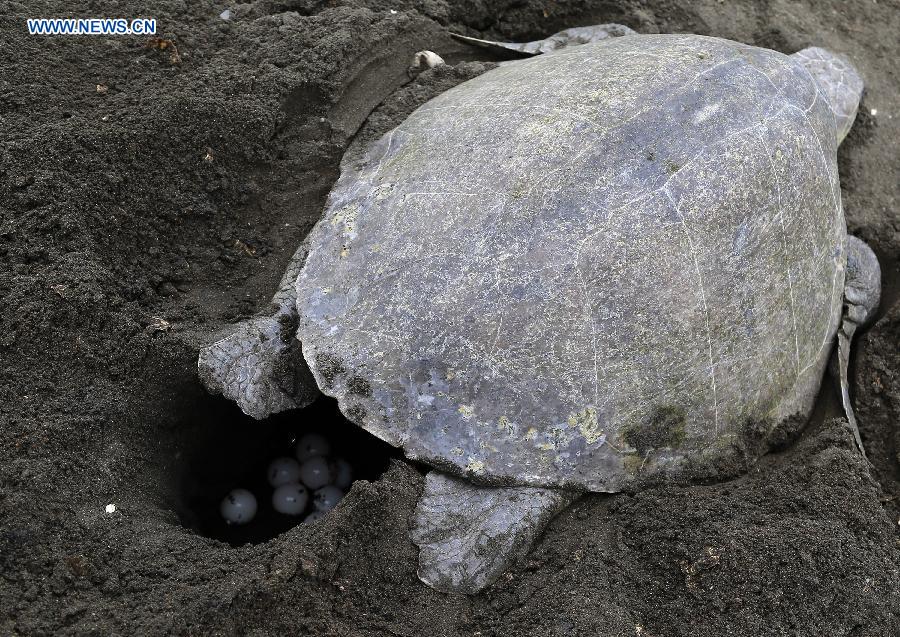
(231,450)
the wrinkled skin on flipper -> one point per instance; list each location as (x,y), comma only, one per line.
(258,363)
(862,293)
(468,535)
(561,40)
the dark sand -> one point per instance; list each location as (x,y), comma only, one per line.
(137,220)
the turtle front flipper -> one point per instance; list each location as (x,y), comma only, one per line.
(561,40)
(862,293)
(468,535)
(838,80)
(258,363)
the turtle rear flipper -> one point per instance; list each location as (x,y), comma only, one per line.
(258,363)
(260,366)
(468,535)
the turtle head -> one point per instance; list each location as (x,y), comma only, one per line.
(840,82)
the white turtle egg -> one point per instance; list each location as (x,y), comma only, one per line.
(315,515)
(326,498)
(283,471)
(238,507)
(343,474)
(316,472)
(290,499)
(311,445)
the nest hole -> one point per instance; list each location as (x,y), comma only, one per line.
(227,450)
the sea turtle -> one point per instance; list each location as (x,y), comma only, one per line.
(574,271)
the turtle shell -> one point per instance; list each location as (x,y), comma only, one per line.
(584,265)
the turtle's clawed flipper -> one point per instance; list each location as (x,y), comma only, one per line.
(258,363)
(468,535)
(862,292)
(561,40)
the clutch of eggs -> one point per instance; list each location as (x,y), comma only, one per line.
(313,479)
